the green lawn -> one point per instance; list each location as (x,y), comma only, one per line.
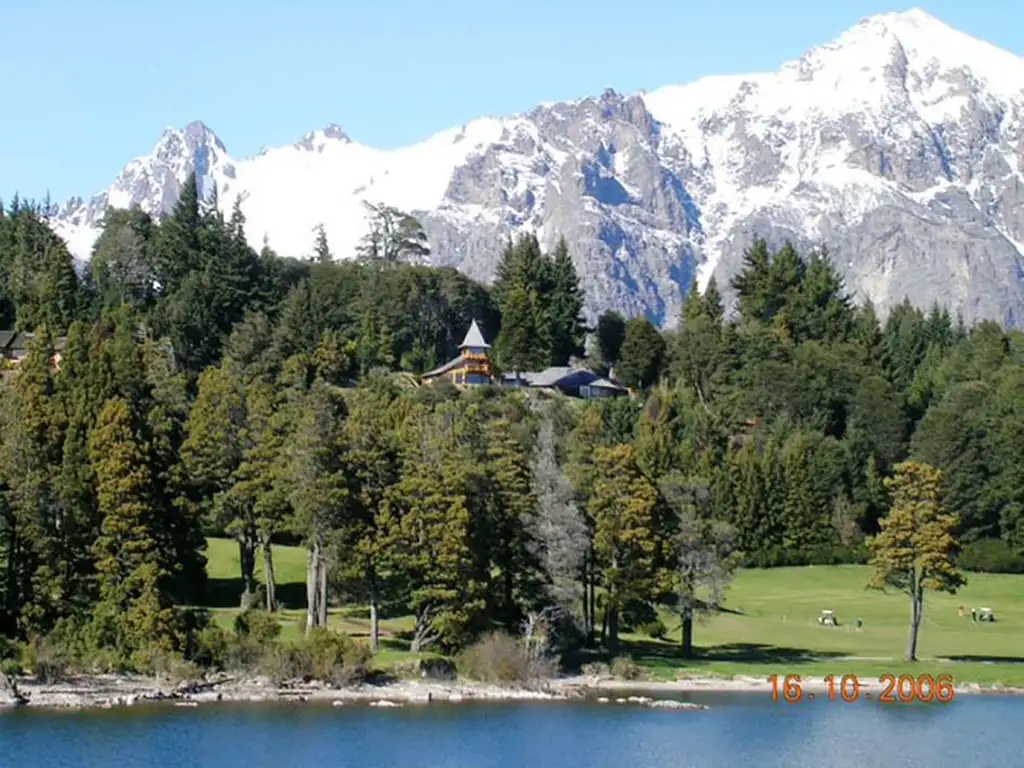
(769,627)
(225,586)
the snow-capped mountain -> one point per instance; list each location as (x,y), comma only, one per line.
(899,146)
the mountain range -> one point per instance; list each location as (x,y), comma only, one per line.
(899,147)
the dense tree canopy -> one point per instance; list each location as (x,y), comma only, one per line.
(207,389)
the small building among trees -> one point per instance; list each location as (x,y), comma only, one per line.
(15,345)
(569,380)
(472,367)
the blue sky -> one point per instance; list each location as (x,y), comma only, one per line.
(89,84)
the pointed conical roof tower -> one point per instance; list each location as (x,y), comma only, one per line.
(474,338)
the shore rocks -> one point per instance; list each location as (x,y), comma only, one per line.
(670,704)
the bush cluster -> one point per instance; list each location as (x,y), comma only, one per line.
(252,647)
(778,557)
(502,659)
(990,556)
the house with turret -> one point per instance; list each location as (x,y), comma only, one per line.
(472,367)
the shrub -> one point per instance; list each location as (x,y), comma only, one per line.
(636,614)
(11,667)
(323,655)
(212,648)
(500,658)
(595,669)
(48,661)
(171,667)
(655,629)
(259,626)
(990,556)
(625,668)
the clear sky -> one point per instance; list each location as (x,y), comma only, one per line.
(89,84)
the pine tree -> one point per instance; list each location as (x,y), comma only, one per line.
(518,344)
(568,331)
(611,331)
(176,249)
(523,288)
(34,447)
(429,529)
(210,453)
(624,507)
(373,462)
(258,489)
(642,355)
(133,613)
(318,487)
(510,520)
(180,525)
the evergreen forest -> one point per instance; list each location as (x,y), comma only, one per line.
(182,386)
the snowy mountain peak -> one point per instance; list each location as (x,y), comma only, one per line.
(899,145)
(932,49)
(318,140)
(334,131)
(193,137)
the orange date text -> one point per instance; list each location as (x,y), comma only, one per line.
(895,689)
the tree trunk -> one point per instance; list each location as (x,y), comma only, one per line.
(313,585)
(268,574)
(11,576)
(322,599)
(612,639)
(604,627)
(586,612)
(687,638)
(916,606)
(422,634)
(593,599)
(374,617)
(247,562)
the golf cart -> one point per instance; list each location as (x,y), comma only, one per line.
(828,619)
(985,614)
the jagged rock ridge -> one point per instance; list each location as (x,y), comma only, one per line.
(899,146)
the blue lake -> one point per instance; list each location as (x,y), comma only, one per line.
(738,730)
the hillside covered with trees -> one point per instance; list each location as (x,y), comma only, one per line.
(206,389)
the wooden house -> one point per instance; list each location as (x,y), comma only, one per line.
(471,368)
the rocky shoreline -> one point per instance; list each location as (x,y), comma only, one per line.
(110,691)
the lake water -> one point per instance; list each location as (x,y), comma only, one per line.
(739,730)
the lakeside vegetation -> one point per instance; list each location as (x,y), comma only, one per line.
(768,626)
(219,415)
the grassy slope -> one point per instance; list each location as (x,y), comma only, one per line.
(774,629)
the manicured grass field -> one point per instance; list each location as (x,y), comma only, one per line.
(769,626)
(223,564)
(225,586)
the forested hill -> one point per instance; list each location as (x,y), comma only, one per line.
(206,389)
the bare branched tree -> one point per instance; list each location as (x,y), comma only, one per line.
(538,630)
(706,558)
(560,535)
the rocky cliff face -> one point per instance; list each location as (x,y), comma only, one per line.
(899,146)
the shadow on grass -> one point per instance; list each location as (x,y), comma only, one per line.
(989,659)
(650,653)
(227,593)
(394,643)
